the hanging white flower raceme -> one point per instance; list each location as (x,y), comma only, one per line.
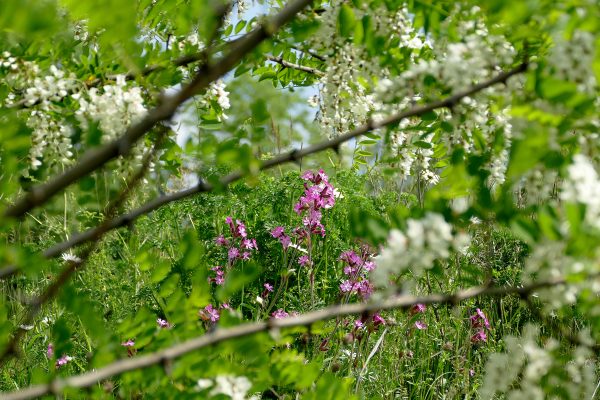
(583,186)
(416,249)
(114,107)
(518,372)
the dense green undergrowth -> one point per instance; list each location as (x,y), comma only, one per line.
(161,269)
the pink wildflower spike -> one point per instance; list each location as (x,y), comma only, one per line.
(240,229)
(418,308)
(420,325)
(63,360)
(479,336)
(50,350)
(128,343)
(477,319)
(279,314)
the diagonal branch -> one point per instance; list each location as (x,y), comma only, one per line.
(291,65)
(58,385)
(95,158)
(291,156)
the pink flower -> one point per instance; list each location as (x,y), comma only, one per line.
(346,286)
(479,336)
(308,175)
(128,343)
(63,360)
(285,241)
(279,314)
(225,306)
(418,308)
(163,323)
(240,229)
(268,287)
(351,258)
(245,255)
(365,288)
(50,350)
(378,320)
(420,325)
(358,324)
(277,232)
(304,260)
(221,241)
(477,319)
(471,372)
(233,253)
(209,313)
(369,266)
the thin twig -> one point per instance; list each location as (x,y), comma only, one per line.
(291,65)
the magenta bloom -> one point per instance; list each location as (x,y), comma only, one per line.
(418,308)
(209,313)
(358,324)
(233,253)
(268,287)
(245,255)
(63,360)
(50,350)
(221,241)
(420,325)
(128,343)
(277,232)
(225,306)
(163,323)
(478,319)
(304,260)
(479,336)
(378,320)
(279,314)
(346,286)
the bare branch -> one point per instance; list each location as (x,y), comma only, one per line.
(290,156)
(287,64)
(95,158)
(220,335)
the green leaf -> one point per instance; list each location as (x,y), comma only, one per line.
(346,21)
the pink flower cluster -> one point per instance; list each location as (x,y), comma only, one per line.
(239,247)
(63,360)
(419,309)
(478,322)
(356,271)
(163,323)
(319,195)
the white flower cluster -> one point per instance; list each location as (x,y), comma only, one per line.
(583,186)
(114,107)
(235,387)
(415,250)
(518,372)
(549,261)
(50,138)
(573,60)
(216,93)
(52,87)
